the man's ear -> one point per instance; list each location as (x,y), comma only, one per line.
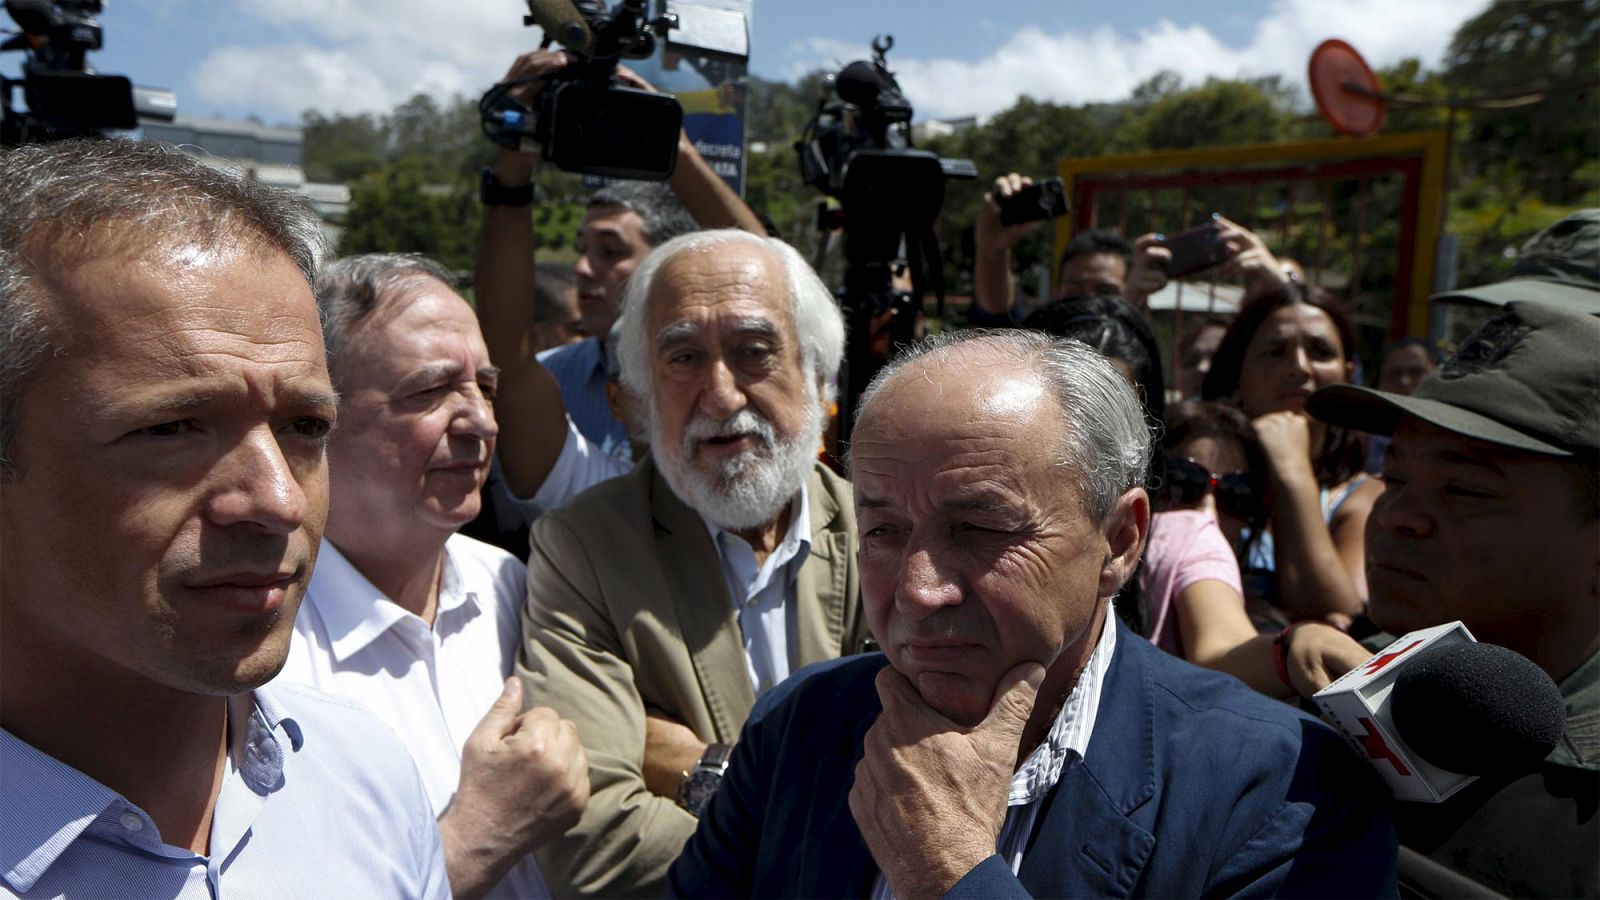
(1126,527)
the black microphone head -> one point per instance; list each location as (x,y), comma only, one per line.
(1474,709)
(859,83)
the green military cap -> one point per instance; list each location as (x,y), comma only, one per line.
(1559,266)
(1529,379)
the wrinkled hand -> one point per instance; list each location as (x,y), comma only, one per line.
(524,780)
(1249,258)
(1318,654)
(670,749)
(1286,439)
(988,233)
(514,168)
(1149,273)
(930,796)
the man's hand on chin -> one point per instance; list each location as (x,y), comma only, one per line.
(929,795)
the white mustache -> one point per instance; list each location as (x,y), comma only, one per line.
(745,421)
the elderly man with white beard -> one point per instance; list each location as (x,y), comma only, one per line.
(661,604)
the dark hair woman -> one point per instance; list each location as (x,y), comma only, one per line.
(1309,560)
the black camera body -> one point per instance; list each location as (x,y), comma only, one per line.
(65,98)
(858,149)
(585,121)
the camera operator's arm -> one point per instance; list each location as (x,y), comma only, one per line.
(700,189)
(533,417)
(994,289)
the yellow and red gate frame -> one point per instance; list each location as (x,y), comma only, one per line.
(1420,157)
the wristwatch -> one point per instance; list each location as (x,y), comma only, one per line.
(699,784)
(492,193)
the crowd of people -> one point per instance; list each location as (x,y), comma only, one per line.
(1048,631)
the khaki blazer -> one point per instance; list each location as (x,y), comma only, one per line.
(628,612)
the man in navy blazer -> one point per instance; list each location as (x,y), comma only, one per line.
(1016,740)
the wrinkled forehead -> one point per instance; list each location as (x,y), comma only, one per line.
(728,281)
(99,280)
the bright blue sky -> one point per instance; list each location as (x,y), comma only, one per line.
(272,58)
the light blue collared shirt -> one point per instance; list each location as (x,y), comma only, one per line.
(320,802)
(580,372)
(763,594)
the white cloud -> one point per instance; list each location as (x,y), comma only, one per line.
(369,55)
(1101,65)
(364,55)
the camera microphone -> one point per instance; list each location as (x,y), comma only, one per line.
(1477,709)
(858,83)
(1436,709)
(562,22)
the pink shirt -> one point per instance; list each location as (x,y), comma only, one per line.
(1185,547)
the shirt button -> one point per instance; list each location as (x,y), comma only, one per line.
(132,822)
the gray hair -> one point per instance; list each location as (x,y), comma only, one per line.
(663,215)
(1106,445)
(817,321)
(350,290)
(73,200)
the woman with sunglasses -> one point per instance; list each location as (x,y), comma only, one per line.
(1308,561)
(1208,502)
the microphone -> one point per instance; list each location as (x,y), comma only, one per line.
(858,83)
(561,21)
(1436,709)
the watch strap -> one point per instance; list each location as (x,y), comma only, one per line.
(492,193)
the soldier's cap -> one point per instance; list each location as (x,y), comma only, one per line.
(1559,266)
(1529,379)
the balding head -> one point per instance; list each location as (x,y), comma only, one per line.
(1107,448)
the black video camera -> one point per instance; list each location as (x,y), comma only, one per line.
(858,149)
(586,121)
(65,98)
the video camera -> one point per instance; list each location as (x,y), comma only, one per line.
(65,98)
(858,149)
(586,121)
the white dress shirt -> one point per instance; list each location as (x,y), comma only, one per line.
(580,466)
(763,595)
(432,685)
(317,799)
(1067,742)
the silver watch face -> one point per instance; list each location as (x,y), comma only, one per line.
(697,789)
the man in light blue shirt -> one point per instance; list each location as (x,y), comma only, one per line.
(164,406)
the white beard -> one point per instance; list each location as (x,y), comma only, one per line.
(748,490)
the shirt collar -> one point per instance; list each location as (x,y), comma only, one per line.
(49,804)
(1069,735)
(356,613)
(796,540)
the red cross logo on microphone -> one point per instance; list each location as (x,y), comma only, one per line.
(1378,662)
(1372,742)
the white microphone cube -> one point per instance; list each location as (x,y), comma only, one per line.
(1357,704)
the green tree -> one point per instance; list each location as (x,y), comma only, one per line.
(395,210)
(341,148)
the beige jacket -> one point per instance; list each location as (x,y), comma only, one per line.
(628,611)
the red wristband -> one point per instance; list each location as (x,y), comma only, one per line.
(1280,654)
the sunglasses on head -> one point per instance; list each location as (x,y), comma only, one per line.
(1187,483)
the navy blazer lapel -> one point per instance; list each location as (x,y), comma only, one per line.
(706,617)
(834,860)
(1084,842)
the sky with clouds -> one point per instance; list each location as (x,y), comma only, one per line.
(275,58)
